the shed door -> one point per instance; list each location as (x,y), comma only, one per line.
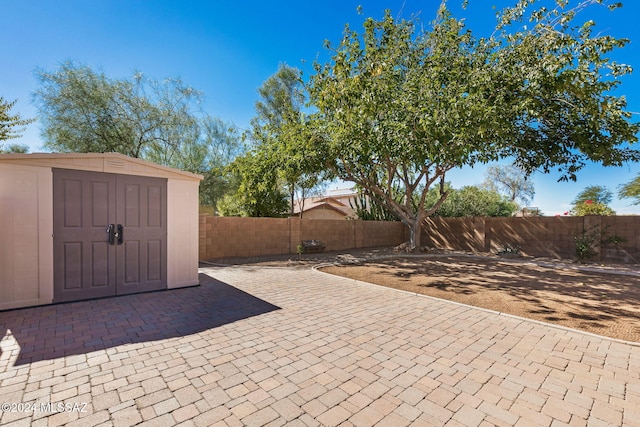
(142,212)
(86,263)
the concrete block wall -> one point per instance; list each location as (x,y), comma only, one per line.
(538,236)
(242,237)
(336,234)
(625,228)
(554,237)
(380,233)
(466,234)
(535,236)
(222,237)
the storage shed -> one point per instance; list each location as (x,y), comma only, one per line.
(80,226)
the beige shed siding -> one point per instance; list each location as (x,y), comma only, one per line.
(182,227)
(99,162)
(26,215)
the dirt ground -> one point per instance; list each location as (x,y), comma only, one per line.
(597,302)
(604,304)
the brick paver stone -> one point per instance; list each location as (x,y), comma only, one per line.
(256,346)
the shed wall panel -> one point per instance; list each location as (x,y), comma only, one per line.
(26,258)
(182,231)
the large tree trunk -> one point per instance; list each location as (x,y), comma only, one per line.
(415,232)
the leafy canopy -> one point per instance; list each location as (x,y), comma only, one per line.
(510,181)
(631,190)
(281,133)
(84,110)
(595,194)
(399,106)
(472,200)
(14,148)
(282,158)
(11,125)
(259,193)
(593,200)
(589,207)
(556,83)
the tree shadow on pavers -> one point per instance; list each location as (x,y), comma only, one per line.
(48,332)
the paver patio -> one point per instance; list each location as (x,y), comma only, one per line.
(277,346)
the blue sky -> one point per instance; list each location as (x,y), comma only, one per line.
(228,49)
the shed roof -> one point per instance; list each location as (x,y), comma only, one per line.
(98,162)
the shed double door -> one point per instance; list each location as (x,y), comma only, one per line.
(110,234)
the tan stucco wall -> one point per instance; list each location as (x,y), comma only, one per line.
(26,251)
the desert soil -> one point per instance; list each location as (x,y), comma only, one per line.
(559,293)
(600,303)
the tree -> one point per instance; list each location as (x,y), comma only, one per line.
(368,208)
(631,190)
(280,131)
(589,207)
(399,108)
(85,111)
(475,201)
(212,148)
(371,119)
(259,192)
(15,148)
(231,205)
(221,144)
(558,82)
(510,181)
(594,194)
(593,200)
(10,125)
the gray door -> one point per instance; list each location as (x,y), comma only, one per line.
(109,234)
(141,211)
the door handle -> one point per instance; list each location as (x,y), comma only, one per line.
(111,230)
(120,234)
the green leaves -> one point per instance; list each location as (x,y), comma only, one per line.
(592,208)
(14,148)
(594,194)
(631,190)
(475,201)
(259,193)
(593,200)
(86,111)
(10,125)
(398,107)
(563,113)
(284,158)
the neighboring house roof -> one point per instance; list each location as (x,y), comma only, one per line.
(323,203)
